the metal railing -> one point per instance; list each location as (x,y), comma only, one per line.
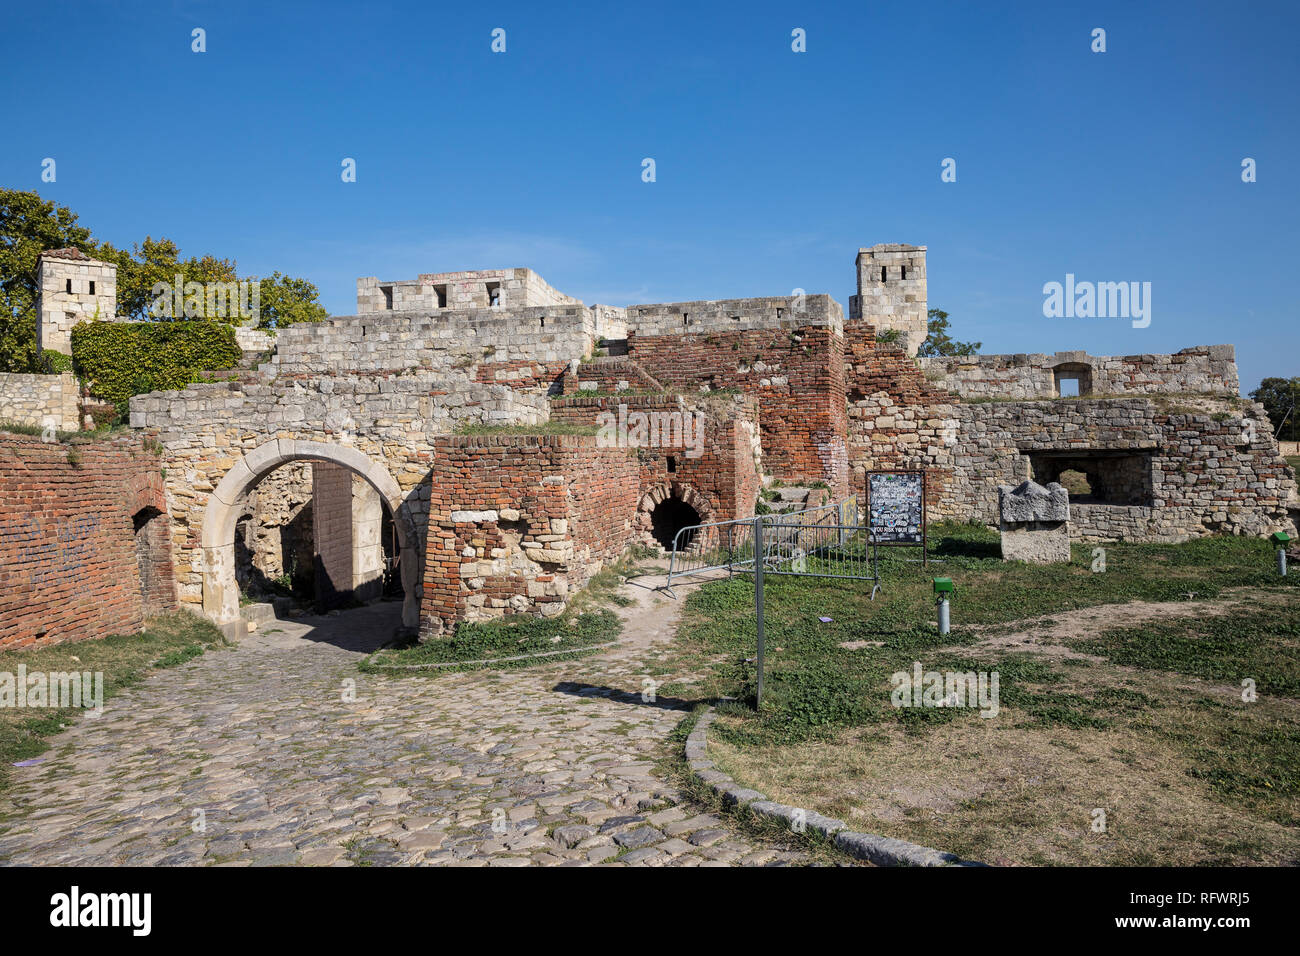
(827,541)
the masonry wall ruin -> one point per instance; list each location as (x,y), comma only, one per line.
(491,523)
(1208,369)
(41,401)
(71,288)
(84,551)
(517,523)
(787,351)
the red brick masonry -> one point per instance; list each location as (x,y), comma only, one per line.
(69,568)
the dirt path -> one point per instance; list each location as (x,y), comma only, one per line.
(1045,635)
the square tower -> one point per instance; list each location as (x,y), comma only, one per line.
(72,288)
(892,292)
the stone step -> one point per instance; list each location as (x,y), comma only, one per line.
(257,614)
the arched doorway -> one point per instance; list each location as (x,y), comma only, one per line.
(220,591)
(666,509)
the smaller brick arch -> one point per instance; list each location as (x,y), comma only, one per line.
(657,495)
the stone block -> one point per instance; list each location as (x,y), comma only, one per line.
(1030,501)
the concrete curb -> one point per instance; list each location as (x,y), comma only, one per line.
(879,850)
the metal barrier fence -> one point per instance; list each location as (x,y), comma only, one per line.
(826,541)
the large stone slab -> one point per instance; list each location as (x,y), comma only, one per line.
(1030,501)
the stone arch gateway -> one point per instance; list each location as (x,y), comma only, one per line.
(220,591)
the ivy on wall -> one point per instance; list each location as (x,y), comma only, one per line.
(121,359)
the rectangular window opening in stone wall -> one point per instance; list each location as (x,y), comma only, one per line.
(441,292)
(388,296)
(1072,379)
(1097,477)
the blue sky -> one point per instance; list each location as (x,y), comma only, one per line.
(773,167)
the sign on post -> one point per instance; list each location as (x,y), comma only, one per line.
(896,508)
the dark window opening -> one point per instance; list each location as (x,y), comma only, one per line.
(1097,477)
(686,318)
(543,321)
(69,286)
(441,292)
(392,583)
(902,272)
(151,533)
(672,464)
(882,273)
(669,517)
(494,294)
(388,296)
(92,286)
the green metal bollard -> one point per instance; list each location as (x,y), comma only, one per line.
(943,589)
(1280,538)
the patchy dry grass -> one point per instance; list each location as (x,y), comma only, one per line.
(1119,692)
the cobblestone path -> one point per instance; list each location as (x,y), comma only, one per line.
(251,756)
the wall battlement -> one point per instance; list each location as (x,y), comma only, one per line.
(734,315)
(1210,369)
(477,289)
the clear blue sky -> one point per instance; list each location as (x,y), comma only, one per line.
(773,167)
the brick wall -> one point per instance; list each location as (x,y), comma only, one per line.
(714,455)
(797,373)
(516,523)
(896,418)
(331,512)
(68,540)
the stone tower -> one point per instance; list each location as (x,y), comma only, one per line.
(72,288)
(892,292)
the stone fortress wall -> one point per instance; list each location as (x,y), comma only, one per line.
(42,401)
(1210,370)
(439,408)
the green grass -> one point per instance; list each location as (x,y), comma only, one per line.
(123,659)
(79,437)
(1151,725)
(812,685)
(1261,645)
(514,636)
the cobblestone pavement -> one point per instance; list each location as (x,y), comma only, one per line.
(251,756)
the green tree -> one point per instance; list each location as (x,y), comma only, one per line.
(286,301)
(1281,399)
(28,226)
(155,261)
(938,342)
